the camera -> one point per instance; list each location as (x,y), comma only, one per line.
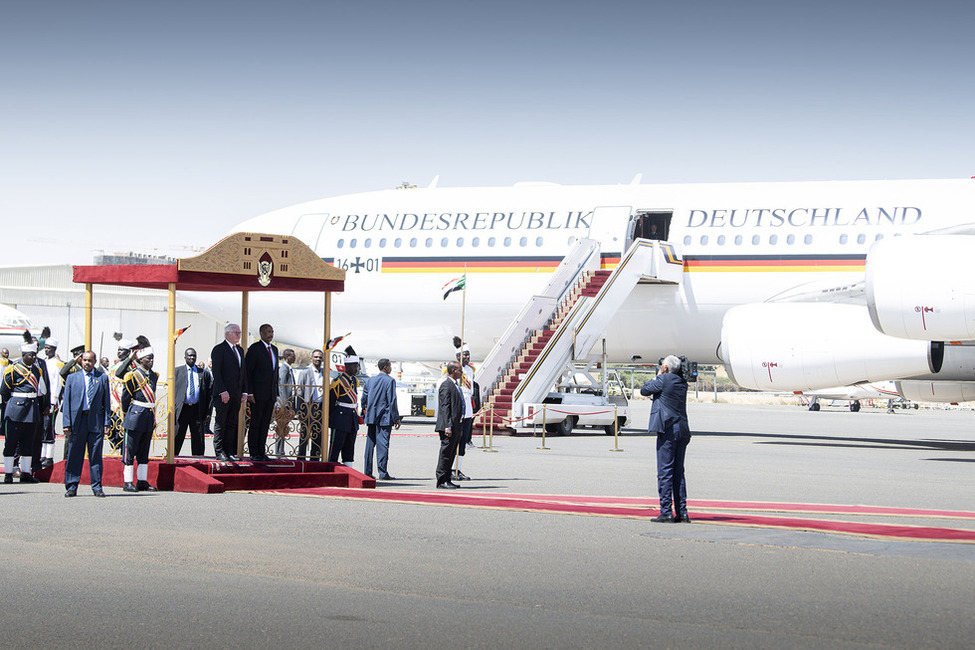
(688,369)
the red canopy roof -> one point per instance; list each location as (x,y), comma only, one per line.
(239,262)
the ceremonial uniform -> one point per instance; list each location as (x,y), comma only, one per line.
(26,396)
(115,393)
(139,406)
(53,366)
(343,417)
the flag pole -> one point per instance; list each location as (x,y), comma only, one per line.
(463,312)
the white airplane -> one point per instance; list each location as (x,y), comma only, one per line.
(13,322)
(886,390)
(793,286)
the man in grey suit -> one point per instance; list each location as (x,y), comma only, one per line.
(191,396)
(86,415)
(450,413)
(381,414)
(312,385)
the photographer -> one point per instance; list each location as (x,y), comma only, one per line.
(668,419)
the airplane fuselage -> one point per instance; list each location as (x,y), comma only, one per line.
(741,243)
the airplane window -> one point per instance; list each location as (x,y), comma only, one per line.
(367,243)
(476,242)
(720,240)
(756,240)
(413,242)
(572,240)
(737,240)
(790,240)
(687,240)
(507,241)
(341,243)
(382,243)
(398,242)
(539,241)
(807,239)
(878,237)
(460,241)
(429,242)
(704,240)
(523,241)
(444,243)
(352,243)
(773,239)
(861,238)
(843,239)
(491,241)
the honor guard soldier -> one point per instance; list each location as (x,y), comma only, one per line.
(472,404)
(27,400)
(343,410)
(54,366)
(124,352)
(139,406)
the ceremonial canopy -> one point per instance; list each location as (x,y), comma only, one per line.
(243,262)
(239,262)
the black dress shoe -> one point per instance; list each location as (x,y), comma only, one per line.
(223,457)
(664,519)
(143,486)
(8,478)
(447,485)
(99,492)
(71,492)
(232,458)
(386,477)
(682,518)
(27,477)
(130,487)
(461,476)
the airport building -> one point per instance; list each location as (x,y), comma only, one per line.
(48,296)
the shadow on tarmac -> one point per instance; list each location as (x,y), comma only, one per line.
(830,441)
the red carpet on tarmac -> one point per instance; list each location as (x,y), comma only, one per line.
(731,513)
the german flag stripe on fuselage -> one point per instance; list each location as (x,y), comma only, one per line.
(692,263)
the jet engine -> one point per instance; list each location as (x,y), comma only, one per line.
(921,287)
(936,391)
(808,346)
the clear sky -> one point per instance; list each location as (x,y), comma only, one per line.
(153,125)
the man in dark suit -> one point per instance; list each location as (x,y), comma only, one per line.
(381,413)
(668,419)
(262,382)
(86,416)
(192,394)
(229,391)
(450,414)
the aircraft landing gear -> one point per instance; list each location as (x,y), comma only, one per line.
(855,405)
(814,406)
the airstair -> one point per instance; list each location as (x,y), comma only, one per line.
(564,323)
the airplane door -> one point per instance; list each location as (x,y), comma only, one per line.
(608,226)
(309,228)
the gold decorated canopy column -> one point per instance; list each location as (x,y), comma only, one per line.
(171,378)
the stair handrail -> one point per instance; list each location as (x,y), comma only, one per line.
(584,255)
(638,260)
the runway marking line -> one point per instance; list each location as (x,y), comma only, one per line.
(645,508)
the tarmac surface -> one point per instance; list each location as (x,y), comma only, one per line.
(257,570)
